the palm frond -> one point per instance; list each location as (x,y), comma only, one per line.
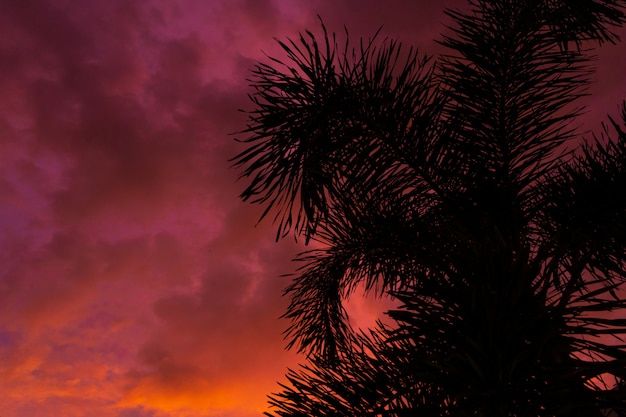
(319,321)
(511,91)
(318,124)
(579,21)
(582,225)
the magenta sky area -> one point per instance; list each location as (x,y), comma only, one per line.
(133,282)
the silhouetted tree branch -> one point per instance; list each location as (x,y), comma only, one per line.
(449,186)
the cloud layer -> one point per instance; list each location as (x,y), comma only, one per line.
(133,282)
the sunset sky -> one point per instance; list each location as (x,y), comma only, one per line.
(133,281)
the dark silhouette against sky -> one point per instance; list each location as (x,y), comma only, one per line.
(461,189)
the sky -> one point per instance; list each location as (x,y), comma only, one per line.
(133,281)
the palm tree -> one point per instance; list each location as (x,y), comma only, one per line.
(452,186)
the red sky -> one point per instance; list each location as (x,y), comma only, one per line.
(133,282)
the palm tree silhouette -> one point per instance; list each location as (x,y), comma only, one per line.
(453,187)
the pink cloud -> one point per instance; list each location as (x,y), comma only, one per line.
(117,185)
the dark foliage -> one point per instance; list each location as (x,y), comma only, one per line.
(452,186)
